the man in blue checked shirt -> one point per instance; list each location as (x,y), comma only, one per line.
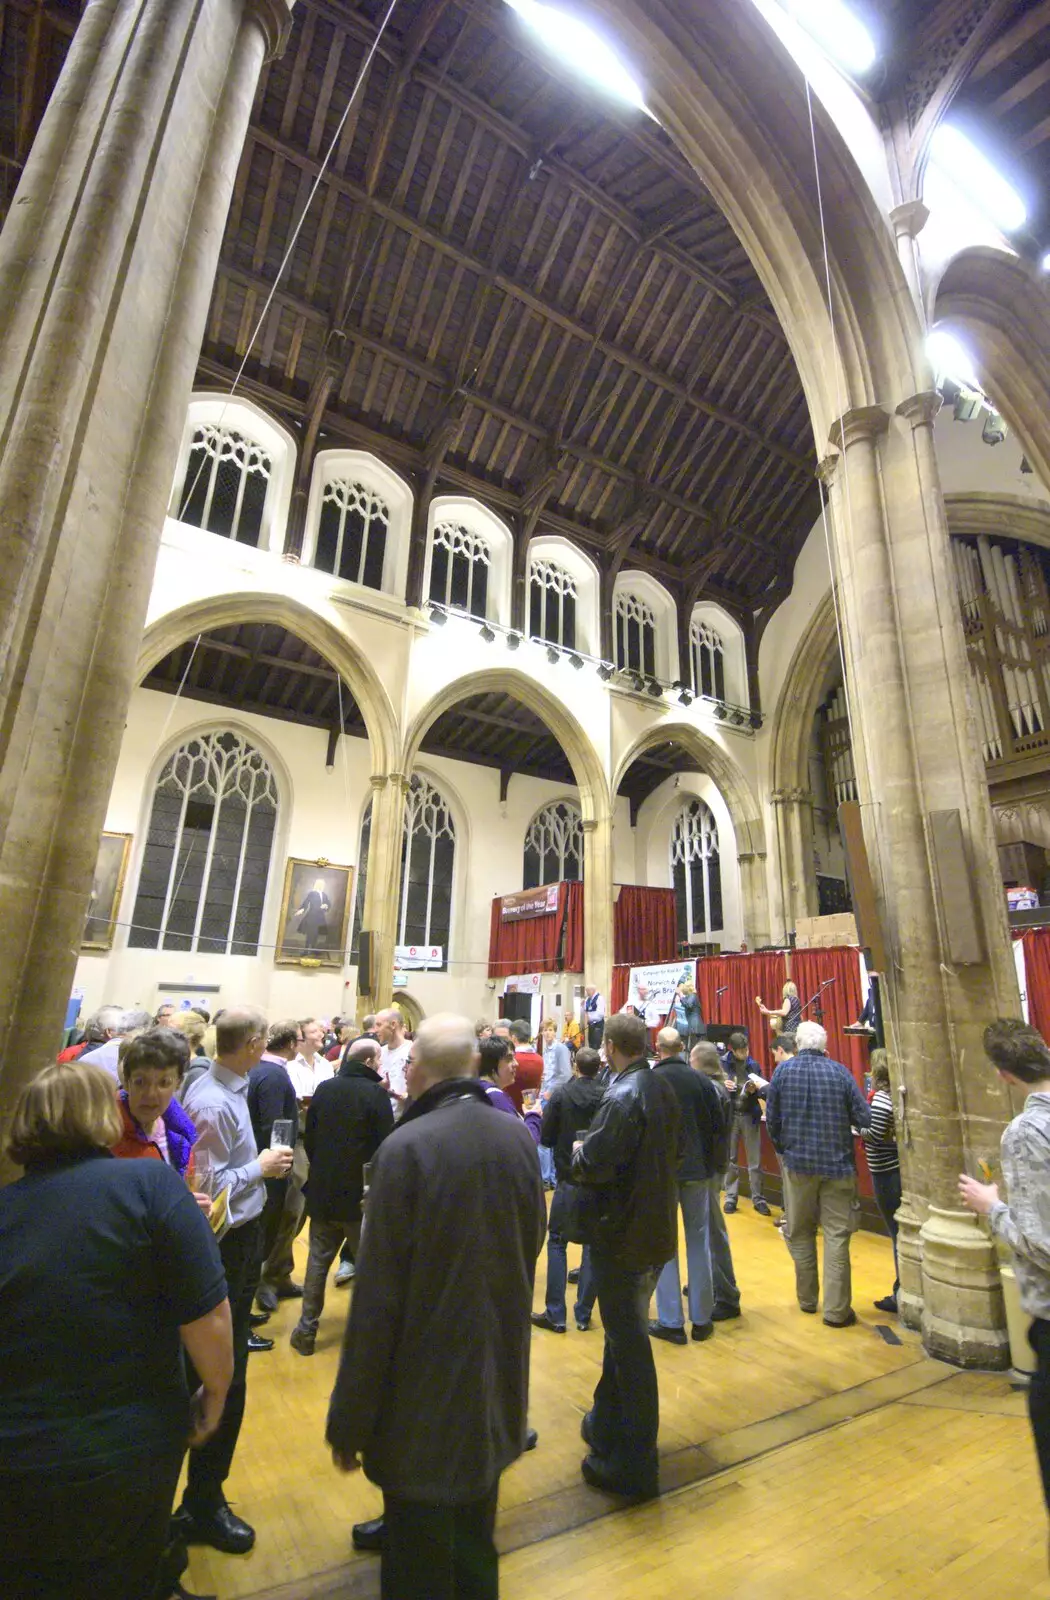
(812,1107)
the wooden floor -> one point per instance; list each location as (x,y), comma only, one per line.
(798,1460)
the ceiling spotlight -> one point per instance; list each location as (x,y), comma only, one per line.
(576,661)
(994,430)
(720,712)
(655,689)
(1045,263)
(756,720)
(553,655)
(487,633)
(438,615)
(737,718)
(513,641)
(838,30)
(967,405)
(605,670)
(685,697)
(977,177)
(949,358)
(581,47)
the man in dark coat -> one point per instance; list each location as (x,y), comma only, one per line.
(432,1388)
(705,1118)
(347,1120)
(568,1114)
(629,1157)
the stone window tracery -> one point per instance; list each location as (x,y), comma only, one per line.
(635,622)
(226,483)
(552,604)
(696,870)
(352,532)
(554,846)
(459,569)
(428,862)
(707,655)
(206,864)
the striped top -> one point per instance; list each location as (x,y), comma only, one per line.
(879,1140)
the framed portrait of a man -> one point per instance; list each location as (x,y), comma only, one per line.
(106,888)
(315,914)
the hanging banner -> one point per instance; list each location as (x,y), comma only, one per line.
(530,903)
(524,983)
(412,957)
(651,989)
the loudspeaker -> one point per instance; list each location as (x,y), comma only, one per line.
(364,962)
(861,887)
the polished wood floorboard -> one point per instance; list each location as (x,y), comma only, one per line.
(798,1460)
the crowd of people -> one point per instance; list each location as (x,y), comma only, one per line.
(170,1160)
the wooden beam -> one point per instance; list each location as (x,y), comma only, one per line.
(1032,21)
(1022,90)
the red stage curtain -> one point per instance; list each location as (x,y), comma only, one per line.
(621,978)
(1036,944)
(529,945)
(574,927)
(841,1001)
(743,977)
(645,926)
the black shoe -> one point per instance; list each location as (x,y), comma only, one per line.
(574,1274)
(266,1297)
(585,1430)
(289,1291)
(671,1335)
(810,1311)
(725,1313)
(220,1528)
(702,1331)
(729,1207)
(368,1535)
(847,1322)
(540,1319)
(256,1343)
(761,1207)
(583,1325)
(888,1304)
(532,1438)
(179,1593)
(301,1340)
(257,1319)
(600,1475)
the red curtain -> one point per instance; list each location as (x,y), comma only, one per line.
(529,945)
(743,977)
(841,1001)
(574,927)
(645,926)
(621,978)
(1036,944)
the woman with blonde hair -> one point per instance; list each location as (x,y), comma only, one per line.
(789,1015)
(108,1272)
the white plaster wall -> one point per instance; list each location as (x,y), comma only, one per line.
(656,818)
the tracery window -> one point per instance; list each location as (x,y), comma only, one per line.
(552,604)
(459,569)
(635,634)
(707,654)
(352,532)
(226,483)
(554,846)
(428,860)
(204,872)
(696,870)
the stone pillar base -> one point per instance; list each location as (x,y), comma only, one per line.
(910,1218)
(963,1318)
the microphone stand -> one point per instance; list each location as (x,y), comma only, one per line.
(818,1009)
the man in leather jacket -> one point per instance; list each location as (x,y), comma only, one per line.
(629,1161)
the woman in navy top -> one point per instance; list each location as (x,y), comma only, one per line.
(108,1270)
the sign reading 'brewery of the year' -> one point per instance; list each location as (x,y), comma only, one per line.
(530,903)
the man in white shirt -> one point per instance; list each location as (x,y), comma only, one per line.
(390,1027)
(310,1067)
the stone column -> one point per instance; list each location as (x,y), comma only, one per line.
(598,903)
(916,752)
(793,820)
(383,885)
(754,897)
(908,221)
(106,269)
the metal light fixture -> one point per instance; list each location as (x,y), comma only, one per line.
(756,720)
(605,670)
(685,697)
(655,689)
(487,633)
(513,641)
(994,430)
(967,404)
(553,655)
(438,615)
(720,712)
(576,661)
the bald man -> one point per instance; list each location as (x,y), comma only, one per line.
(454,1221)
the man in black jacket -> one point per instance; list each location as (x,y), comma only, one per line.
(568,1114)
(704,1119)
(629,1159)
(432,1388)
(271,1097)
(347,1120)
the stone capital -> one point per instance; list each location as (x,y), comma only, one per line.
(791,797)
(920,409)
(863,422)
(825,470)
(589,824)
(909,219)
(275,19)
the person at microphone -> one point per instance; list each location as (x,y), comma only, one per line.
(789,1013)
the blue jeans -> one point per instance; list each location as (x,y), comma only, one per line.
(887,1188)
(546,1164)
(723,1277)
(626,1415)
(695,1201)
(557,1278)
